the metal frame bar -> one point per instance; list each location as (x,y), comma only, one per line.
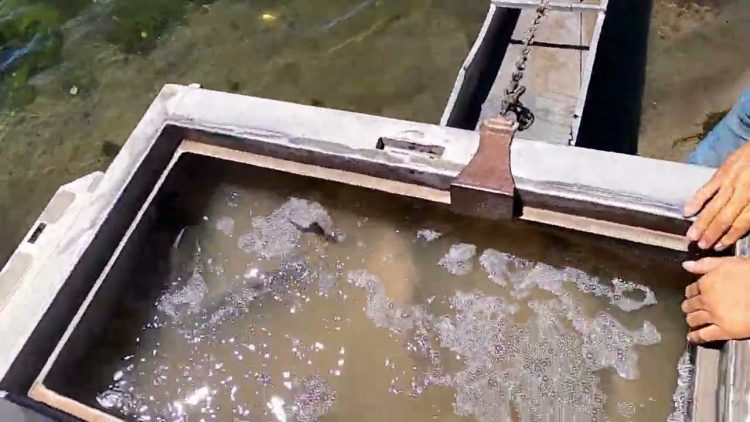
(560,6)
(587,71)
(604,193)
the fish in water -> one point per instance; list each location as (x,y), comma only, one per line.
(233,301)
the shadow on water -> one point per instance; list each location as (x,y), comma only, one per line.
(612,113)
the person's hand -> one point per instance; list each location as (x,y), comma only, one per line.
(717,306)
(722,204)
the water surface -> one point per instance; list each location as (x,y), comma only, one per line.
(262,296)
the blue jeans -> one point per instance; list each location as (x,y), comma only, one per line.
(731,133)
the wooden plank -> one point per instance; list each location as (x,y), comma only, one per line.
(72,407)
(552,79)
(555,28)
(606,228)
(317,172)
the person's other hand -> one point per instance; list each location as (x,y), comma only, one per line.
(717,306)
(722,204)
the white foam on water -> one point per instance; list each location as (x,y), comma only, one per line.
(506,356)
(380,309)
(525,276)
(503,268)
(313,398)
(683,395)
(533,367)
(626,409)
(278,234)
(276,406)
(608,344)
(225,225)
(428,235)
(459,259)
(186,299)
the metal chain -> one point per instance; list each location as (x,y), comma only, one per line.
(512,100)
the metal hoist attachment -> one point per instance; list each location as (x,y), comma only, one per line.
(511,106)
(485,187)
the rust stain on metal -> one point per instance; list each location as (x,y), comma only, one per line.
(485,187)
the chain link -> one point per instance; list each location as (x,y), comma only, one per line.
(512,99)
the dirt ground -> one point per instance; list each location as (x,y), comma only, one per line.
(698,62)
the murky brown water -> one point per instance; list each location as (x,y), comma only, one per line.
(288,299)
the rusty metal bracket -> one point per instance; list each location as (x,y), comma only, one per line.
(485,187)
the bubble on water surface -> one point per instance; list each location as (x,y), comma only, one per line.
(428,235)
(615,293)
(282,284)
(225,225)
(607,343)
(683,395)
(524,276)
(628,304)
(232,199)
(313,398)
(380,309)
(279,233)
(110,399)
(326,283)
(459,259)
(185,299)
(533,368)
(626,409)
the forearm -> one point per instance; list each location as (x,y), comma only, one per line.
(731,133)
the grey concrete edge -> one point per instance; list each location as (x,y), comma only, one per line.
(43,280)
(642,184)
(40,378)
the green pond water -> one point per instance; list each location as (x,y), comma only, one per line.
(76,75)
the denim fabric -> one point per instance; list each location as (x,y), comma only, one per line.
(731,133)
